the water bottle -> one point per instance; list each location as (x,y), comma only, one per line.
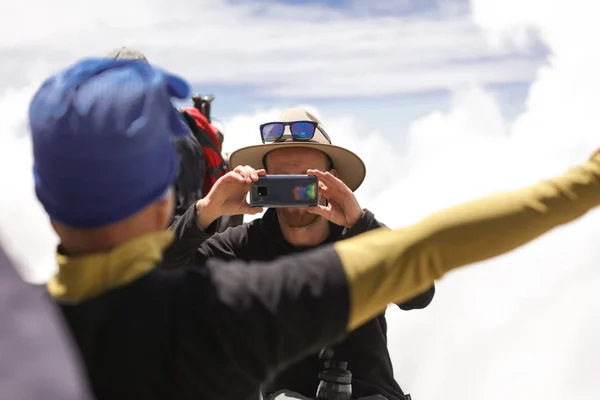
(336,380)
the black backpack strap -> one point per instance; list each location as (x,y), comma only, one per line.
(190,179)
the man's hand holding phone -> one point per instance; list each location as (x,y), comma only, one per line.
(342,206)
(228,196)
(229,193)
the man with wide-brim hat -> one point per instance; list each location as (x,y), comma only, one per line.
(297,143)
(350,168)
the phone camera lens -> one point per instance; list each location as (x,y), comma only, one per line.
(262,191)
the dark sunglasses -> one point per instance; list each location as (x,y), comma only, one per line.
(301,131)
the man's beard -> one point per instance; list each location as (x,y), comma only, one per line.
(296,217)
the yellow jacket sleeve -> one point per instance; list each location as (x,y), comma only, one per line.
(386,266)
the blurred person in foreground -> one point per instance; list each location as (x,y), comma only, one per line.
(297,143)
(201,159)
(38,360)
(104,166)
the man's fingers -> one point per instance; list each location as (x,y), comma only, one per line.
(255,173)
(248,209)
(257,210)
(329,185)
(233,177)
(251,172)
(319,174)
(239,171)
(323,211)
(324,191)
(247,172)
(315,172)
(327,178)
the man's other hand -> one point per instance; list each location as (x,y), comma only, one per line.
(343,208)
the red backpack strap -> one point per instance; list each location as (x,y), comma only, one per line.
(215,164)
(203,124)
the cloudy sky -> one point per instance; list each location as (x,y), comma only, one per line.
(444,99)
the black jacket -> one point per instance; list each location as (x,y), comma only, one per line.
(365,349)
(211,331)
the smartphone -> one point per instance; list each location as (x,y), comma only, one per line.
(278,191)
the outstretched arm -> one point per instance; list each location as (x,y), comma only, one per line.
(271,314)
(403,263)
(368,222)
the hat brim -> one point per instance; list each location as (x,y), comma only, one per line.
(350,168)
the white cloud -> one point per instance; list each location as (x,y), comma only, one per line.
(309,50)
(524,325)
(25,232)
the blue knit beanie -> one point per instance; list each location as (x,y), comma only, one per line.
(102,133)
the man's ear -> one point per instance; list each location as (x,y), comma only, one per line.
(333,172)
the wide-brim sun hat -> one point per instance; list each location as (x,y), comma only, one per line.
(349,166)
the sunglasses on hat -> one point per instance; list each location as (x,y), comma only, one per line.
(301,131)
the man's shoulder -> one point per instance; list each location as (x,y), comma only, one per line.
(153,306)
(147,290)
(247,230)
(139,325)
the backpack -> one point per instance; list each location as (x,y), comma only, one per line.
(202,164)
(208,138)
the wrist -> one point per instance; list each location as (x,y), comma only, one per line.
(205,214)
(357,216)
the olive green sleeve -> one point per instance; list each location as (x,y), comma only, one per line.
(386,266)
